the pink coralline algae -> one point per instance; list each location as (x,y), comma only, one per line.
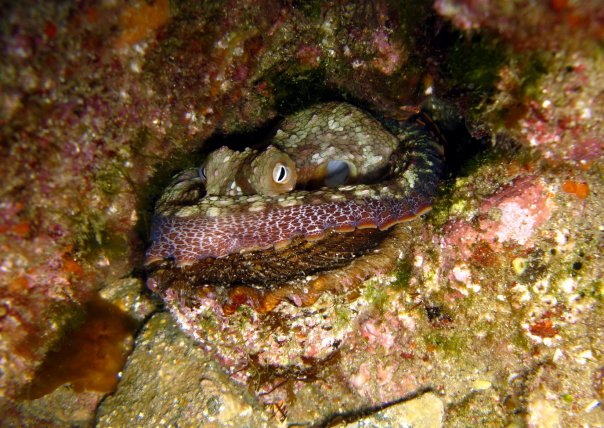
(376,335)
(568,115)
(525,23)
(67,100)
(391,55)
(512,215)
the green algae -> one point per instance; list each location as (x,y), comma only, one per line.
(94,234)
(310,8)
(108,180)
(595,289)
(377,296)
(473,64)
(147,195)
(91,232)
(208,322)
(403,274)
(533,68)
(487,162)
(452,344)
(440,213)
(298,87)
(520,341)
(244,316)
(343,316)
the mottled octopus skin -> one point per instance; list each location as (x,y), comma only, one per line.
(248,172)
(335,131)
(188,229)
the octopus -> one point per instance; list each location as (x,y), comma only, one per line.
(319,215)
(250,231)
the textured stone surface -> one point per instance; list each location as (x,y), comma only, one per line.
(130,295)
(169,381)
(425,411)
(102,102)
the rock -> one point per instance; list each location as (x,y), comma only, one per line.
(99,100)
(62,407)
(130,295)
(169,380)
(543,414)
(425,411)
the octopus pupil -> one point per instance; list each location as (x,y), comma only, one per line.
(202,172)
(280,173)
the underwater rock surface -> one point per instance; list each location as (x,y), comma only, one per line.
(496,306)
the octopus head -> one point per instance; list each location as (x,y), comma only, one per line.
(250,172)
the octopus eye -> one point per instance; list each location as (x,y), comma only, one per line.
(202,173)
(280,173)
